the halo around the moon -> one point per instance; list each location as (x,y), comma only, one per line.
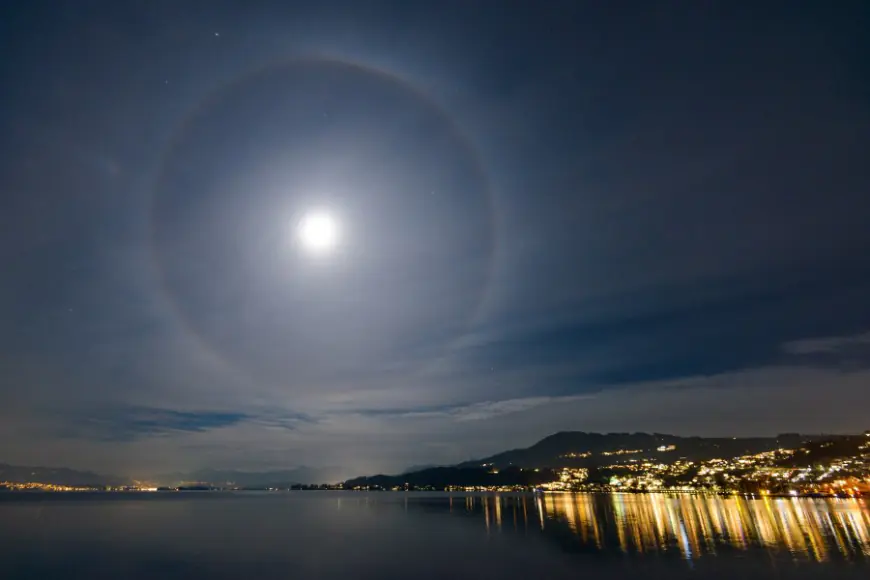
(398,172)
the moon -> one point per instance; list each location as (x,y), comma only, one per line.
(318,231)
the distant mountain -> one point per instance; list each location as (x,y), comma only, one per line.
(569,448)
(230,477)
(58,476)
(581,449)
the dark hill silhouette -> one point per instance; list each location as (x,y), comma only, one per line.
(533,464)
(552,451)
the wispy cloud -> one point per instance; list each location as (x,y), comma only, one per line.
(490,409)
(827,344)
(284,420)
(478,411)
(138,422)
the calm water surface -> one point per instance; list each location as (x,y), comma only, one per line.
(394,535)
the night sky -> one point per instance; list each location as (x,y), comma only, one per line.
(559,215)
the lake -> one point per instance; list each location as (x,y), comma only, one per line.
(429,535)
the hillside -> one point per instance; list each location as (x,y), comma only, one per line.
(578,448)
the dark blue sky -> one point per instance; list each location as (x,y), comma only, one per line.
(597,216)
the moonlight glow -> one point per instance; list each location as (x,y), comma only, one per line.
(318,231)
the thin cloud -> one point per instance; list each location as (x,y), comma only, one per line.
(480,411)
(826,345)
(140,422)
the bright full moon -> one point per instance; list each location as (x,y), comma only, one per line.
(318,231)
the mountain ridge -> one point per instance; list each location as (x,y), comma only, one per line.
(588,449)
(559,445)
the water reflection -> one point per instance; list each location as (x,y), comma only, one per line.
(691,526)
(393,535)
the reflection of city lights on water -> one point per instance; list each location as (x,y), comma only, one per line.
(691,526)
